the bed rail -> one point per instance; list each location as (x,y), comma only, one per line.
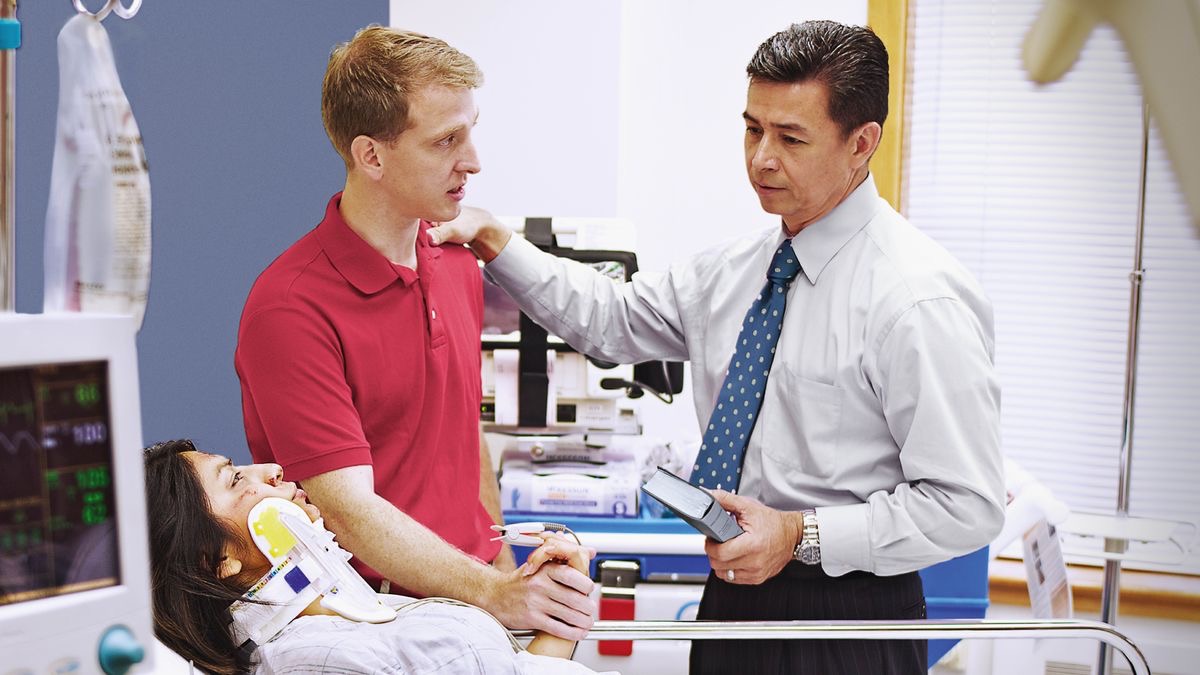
(962,629)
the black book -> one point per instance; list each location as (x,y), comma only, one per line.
(693,505)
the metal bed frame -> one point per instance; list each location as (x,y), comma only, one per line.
(874,630)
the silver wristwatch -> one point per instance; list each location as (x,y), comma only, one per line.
(808,549)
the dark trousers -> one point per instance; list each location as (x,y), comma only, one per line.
(806,592)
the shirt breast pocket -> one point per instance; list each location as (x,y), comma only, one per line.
(802,421)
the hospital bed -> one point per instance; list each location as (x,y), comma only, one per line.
(945,629)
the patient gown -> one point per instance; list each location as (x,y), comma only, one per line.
(424,638)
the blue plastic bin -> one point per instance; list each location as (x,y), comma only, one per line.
(955,589)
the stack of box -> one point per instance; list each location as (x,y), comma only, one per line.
(576,481)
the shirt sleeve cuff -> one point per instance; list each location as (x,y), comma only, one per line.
(512,267)
(844,542)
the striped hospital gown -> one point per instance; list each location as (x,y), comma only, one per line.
(426,638)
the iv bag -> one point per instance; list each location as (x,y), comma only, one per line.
(97,247)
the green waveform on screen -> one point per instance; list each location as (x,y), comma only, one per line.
(18,411)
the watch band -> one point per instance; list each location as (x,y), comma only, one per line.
(808,549)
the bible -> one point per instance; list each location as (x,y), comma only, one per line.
(694,505)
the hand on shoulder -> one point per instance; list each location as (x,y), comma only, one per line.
(475,227)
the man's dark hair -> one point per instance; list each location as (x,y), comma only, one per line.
(850,60)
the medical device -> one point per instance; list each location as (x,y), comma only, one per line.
(534,382)
(74,560)
(571,431)
(694,505)
(306,564)
(525,534)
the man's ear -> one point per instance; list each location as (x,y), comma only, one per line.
(229,566)
(364,150)
(865,140)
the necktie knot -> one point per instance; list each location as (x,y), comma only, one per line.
(784,266)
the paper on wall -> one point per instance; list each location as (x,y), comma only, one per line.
(1046,573)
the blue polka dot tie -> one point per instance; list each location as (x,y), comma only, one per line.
(719,463)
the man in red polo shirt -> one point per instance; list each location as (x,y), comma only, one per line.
(359,354)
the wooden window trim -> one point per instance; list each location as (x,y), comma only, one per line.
(889,20)
(1157,595)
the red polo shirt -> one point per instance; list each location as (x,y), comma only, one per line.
(346,359)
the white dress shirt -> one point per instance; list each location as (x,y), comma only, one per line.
(882,407)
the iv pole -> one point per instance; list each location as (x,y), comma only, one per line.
(10,39)
(1111,591)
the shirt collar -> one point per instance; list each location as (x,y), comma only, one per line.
(816,244)
(366,269)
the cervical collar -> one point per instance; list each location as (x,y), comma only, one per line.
(306,564)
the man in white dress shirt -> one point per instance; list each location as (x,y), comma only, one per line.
(876,451)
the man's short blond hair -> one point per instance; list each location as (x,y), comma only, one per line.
(370,79)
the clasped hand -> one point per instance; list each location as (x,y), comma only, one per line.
(555,598)
(761,551)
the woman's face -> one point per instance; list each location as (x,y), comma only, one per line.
(233,490)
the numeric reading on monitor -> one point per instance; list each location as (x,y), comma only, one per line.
(57,531)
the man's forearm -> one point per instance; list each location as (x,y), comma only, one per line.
(405,551)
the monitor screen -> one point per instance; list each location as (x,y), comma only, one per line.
(57,510)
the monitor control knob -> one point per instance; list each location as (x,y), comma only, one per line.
(119,650)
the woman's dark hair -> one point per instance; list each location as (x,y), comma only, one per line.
(850,61)
(187,543)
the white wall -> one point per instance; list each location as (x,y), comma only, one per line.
(548,109)
(625,109)
(683,76)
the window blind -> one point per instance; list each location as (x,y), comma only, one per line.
(1035,189)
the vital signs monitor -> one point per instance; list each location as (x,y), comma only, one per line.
(74,565)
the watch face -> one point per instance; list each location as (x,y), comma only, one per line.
(810,555)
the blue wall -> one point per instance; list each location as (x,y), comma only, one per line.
(227,97)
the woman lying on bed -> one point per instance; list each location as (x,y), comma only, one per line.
(204,559)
